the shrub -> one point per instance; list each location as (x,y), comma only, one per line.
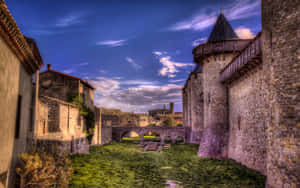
(169,121)
(88,115)
(40,169)
(179,125)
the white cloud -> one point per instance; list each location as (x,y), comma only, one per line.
(68,71)
(243,9)
(179,80)
(83,64)
(244,33)
(69,20)
(133,63)
(178,52)
(103,71)
(199,41)
(236,10)
(139,82)
(118,78)
(134,95)
(200,22)
(105,86)
(159,53)
(170,67)
(112,43)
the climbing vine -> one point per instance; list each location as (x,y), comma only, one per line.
(87,113)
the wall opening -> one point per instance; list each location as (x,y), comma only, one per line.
(18,119)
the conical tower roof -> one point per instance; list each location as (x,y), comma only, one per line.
(222,30)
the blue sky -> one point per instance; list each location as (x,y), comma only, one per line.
(137,53)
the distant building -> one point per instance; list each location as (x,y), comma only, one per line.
(157,116)
(20,62)
(116,118)
(178,117)
(162,112)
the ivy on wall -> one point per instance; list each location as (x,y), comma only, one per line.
(87,113)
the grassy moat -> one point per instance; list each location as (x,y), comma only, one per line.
(124,165)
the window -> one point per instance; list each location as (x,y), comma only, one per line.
(18,119)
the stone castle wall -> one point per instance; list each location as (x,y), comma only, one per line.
(106,135)
(247,125)
(196,107)
(281,61)
(214,138)
(193,106)
(254,118)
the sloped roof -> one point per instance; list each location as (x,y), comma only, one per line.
(11,34)
(222,30)
(70,76)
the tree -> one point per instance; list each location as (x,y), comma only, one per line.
(169,121)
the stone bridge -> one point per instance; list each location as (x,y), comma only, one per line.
(173,132)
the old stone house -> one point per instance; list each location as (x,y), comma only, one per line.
(19,65)
(61,123)
(65,87)
(246,103)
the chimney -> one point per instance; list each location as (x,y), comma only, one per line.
(172,107)
(49,66)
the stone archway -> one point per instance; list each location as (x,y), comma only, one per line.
(125,132)
(173,132)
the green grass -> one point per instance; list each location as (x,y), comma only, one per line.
(124,165)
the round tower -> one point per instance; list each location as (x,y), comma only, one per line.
(222,46)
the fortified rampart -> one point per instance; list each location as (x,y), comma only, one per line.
(193,104)
(251,95)
(281,65)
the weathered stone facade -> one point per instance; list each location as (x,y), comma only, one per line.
(65,87)
(193,105)
(60,121)
(251,96)
(281,65)
(248,137)
(103,134)
(18,63)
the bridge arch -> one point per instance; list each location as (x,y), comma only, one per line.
(129,133)
(173,132)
